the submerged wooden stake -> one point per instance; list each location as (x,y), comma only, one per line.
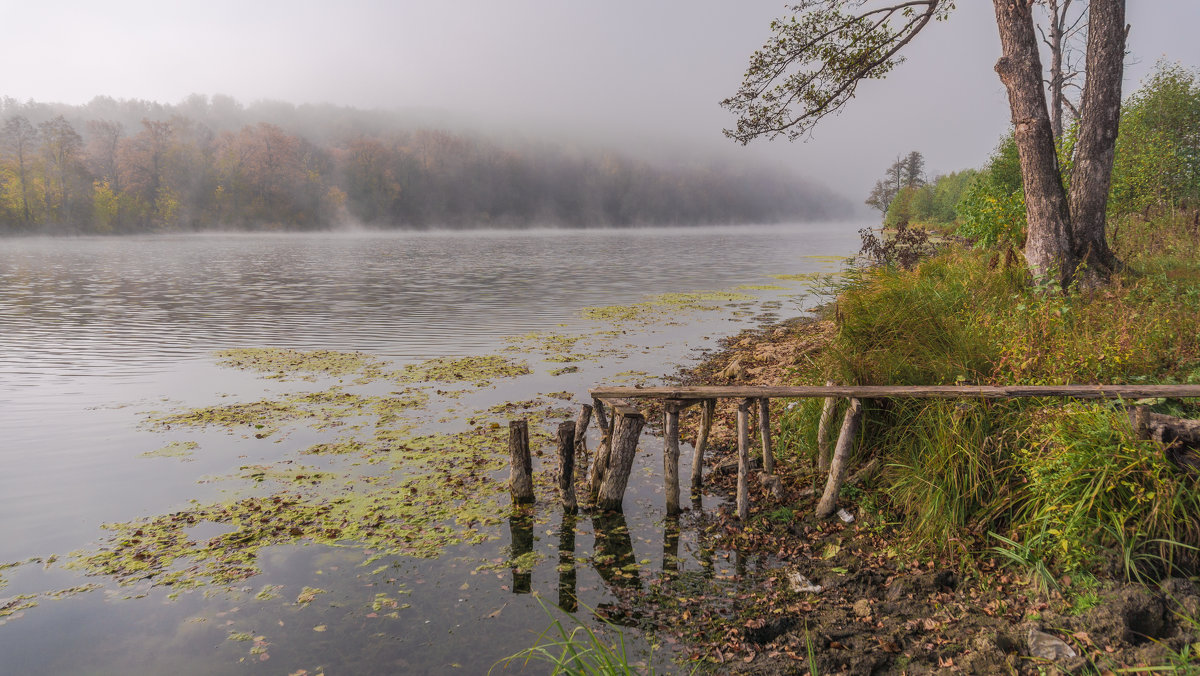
(764,432)
(823,431)
(706,419)
(520,477)
(837,470)
(566,465)
(671,459)
(623,447)
(603,451)
(743,486)
(581,428)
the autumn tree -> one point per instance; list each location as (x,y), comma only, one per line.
(814,61)
(20,139)
(62,147)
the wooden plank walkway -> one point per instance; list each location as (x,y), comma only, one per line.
(896,391)
(614,457)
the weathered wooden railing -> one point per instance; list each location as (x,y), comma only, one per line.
(613,459)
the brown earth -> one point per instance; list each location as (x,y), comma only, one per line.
(883,606)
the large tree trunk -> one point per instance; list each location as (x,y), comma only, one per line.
(1048,243)
(1100,115)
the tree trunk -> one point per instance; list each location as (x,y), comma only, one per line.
(1100,115)
(1048,243)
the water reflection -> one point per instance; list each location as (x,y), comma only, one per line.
(567,587)
(614,559)
(520,529)
(671,563)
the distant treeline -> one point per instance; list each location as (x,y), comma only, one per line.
(135,166)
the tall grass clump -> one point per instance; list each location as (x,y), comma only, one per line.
(1093,488)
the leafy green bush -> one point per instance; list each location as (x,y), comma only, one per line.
(992,208)
(1157,163)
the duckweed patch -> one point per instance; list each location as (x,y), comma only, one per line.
(760,287)
(667,303)
(282,364)
(175,449)
(479,371)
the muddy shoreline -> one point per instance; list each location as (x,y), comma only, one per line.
(883,605)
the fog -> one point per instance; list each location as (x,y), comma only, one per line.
(645,77)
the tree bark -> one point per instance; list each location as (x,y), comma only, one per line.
(671,459)
(1048,250)
(1100,115)
(764,433)
(707,410)
(841,456)
(520,478)
(623,447)
(566,465)
(823,450)
(743,480)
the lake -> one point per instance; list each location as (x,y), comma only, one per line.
(108,348)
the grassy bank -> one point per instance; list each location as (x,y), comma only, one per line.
(1060,487)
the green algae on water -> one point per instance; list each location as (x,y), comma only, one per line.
(175,449)
(281,363)
(761,287)
(479,371)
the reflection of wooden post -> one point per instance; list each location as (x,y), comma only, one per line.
(743,487)
(614,559)
(603,451)
(623,447)
(566,465)
(764,431)
(837,471)
(671,563)
(520,528)
(823,431)
(520,477)
(567,599)
(581,428)
(706,418)
(671,458)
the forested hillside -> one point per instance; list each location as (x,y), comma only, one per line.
(135,166)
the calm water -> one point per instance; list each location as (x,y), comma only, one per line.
(96,333)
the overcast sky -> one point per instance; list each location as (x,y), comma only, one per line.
(643,71)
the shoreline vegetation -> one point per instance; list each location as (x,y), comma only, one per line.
(1023,537)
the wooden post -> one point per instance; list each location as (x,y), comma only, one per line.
(566,465)
(520,477)
(601,422)
(764,431)
(743,486)
(837,471)
(581,428)
(706,419)
(603,451)
(823,431)
(622,449)
(671,458)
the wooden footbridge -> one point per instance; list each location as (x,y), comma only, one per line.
(612,463)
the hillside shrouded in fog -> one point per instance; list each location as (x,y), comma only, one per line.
(134,166)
